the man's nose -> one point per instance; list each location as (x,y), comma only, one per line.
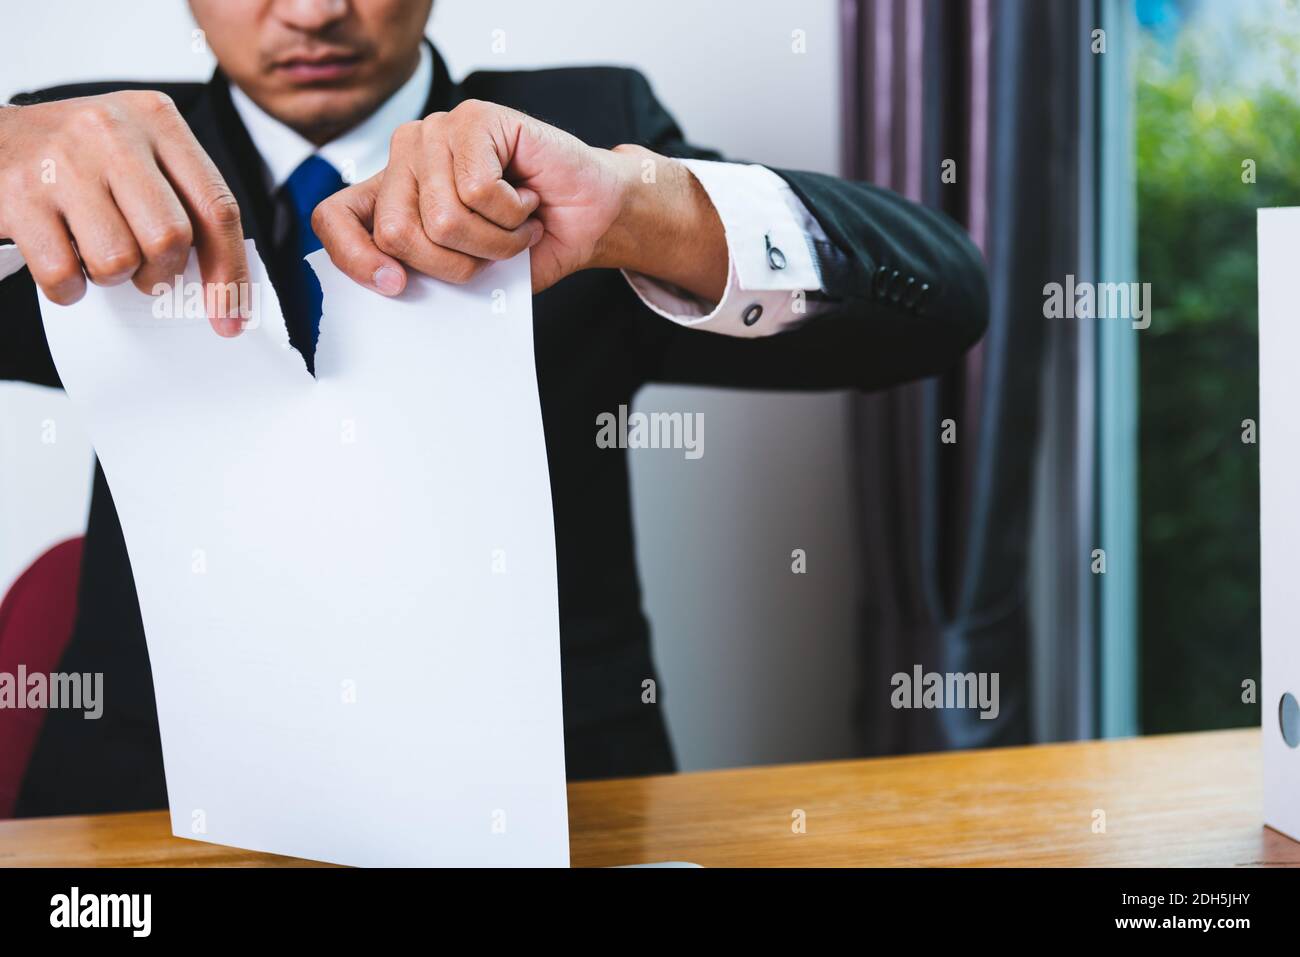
(311,15)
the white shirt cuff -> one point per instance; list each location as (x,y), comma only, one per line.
(770,267)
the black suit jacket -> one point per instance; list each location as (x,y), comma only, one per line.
(909,294)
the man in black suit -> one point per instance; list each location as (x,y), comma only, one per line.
(732,275)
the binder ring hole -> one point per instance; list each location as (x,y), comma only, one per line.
(1288,715)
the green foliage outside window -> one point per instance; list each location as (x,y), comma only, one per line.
(1208,122)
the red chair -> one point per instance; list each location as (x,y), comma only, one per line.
(36,619)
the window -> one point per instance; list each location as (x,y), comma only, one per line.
(1218,135)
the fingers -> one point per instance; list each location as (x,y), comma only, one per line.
(156,219)
(214,219)
(450,223)
(47,249)
(343,225)
(104,241)
(480,139)
(128,190)
(399,231)
(441,207)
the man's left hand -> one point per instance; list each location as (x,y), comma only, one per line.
(484,182)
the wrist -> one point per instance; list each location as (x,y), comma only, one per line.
(665,226)
(616,249)
(7,111)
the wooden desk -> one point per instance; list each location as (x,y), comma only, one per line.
(1175,800)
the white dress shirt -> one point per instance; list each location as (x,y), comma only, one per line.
(769,231)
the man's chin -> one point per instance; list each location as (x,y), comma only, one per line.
(323,113)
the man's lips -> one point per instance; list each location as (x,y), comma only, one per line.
(318,68)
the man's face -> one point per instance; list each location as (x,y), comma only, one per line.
(319,66)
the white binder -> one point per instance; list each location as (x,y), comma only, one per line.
(1279,479)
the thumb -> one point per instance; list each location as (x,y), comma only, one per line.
(343,223)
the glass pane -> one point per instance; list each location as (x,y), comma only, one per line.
(1218,119)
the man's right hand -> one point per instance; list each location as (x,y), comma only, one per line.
(116,187)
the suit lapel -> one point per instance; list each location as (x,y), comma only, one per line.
(443,93)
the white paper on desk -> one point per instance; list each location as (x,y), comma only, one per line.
(348,584)
(1279,504)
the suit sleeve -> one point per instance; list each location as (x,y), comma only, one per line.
(903,290)
(24,353)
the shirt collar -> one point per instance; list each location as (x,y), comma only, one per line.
(358,154)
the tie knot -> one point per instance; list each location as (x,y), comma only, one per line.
(313,181)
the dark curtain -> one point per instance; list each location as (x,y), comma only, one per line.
(993,85)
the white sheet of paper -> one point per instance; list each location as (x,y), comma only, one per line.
(348,583)
(1279,503)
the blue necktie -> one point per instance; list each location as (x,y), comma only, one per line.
(313,181)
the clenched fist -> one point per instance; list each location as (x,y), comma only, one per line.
(484,182)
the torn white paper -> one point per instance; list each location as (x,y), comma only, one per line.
(348,584)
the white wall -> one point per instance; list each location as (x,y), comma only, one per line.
(758,664)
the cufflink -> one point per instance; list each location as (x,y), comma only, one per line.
(775,258)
